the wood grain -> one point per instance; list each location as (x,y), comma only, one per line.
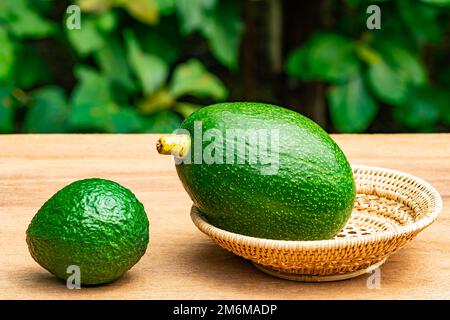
(181,262)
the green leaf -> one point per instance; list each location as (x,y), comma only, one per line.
(223,29)
(352,108)
(162,122)
(160,100)
(91,101)
(162,40)
(393,76)
(150,70)
(192,13)
(389,85)
(6,110)
(326,56)
(404,61)
(43,6)
(444,98)
(332,57)
(32,69)
(367,53)
(437,2)
(23,21)
(422,21)
(186,109)
(95,5)
(219,22)
(166,7)
(94,110)
(363,2)
(6,55)
(125,120)
(146,11)
(421,111)
(48,112)
(113,62)
(106,21)
(297,64)
(441,98)
(192,78)
(444,75)
(86,40)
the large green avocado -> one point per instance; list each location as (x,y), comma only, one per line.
(308,194)
(94,224)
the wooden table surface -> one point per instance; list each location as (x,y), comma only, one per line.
(181,262)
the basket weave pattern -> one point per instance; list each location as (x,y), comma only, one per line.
(391,208)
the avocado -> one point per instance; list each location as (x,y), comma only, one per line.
(95,224)
(288,180)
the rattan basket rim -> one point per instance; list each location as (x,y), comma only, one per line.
(421,224)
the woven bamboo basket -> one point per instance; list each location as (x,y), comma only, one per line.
(391,208)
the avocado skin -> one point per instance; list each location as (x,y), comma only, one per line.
(95,224)
(310,198)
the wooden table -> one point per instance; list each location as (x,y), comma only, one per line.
(181,262)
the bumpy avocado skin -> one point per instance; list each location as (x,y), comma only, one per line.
(310,197)
(95,224)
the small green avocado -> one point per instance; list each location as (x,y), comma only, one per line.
(94,224)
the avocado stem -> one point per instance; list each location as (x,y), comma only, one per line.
(177,145)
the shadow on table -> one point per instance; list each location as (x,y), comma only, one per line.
(41,279)
(233,275)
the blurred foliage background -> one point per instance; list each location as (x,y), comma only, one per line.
(144,65)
